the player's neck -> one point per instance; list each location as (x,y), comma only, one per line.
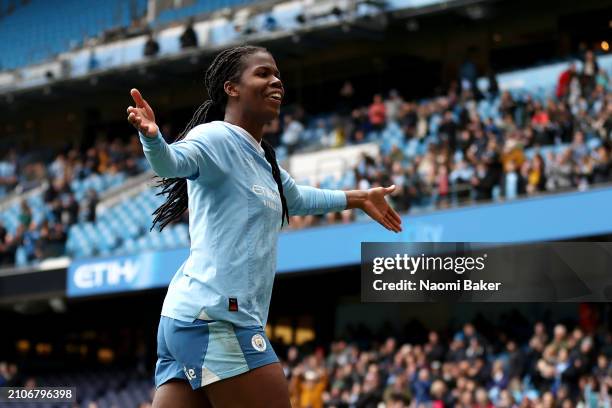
(255,128)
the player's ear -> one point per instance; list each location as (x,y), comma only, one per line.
(231,89)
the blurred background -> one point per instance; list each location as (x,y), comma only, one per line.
(493,118)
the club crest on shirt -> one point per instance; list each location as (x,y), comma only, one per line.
(258,342)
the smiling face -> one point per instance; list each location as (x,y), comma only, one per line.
(259,92)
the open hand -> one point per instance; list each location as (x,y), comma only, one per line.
(142,116)
(377,208)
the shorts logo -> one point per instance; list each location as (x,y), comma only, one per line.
(258,342)
(190,374)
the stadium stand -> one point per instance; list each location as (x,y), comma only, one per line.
(55,31)
(480,364)
(465,146)
(543,129)
(53,35)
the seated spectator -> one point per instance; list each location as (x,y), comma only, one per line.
(25,214)
(272,132)
(483,182)
(560,172)
(57,169)
(151,47)
(8,172)
(512,184)
(447,130)
(88,206)
(536,178)
(189,38)
(398,392)
(602,165)
(443,186)
(579,147)
(69,210)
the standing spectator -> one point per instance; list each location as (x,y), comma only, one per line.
(377,113)
(590,68)
(151,47)
(93,63)
(189,38)
(564,81)
(468,75)
(393,105)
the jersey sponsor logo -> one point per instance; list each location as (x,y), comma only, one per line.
(263,191)
(258,342)
(270,198)
(190,374)
(105,273)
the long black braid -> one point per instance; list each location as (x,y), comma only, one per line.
(227,66)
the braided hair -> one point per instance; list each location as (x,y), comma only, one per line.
(228,65)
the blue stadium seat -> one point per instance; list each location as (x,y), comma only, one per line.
(37,30)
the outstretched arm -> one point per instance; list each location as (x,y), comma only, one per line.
(373,203)
(177,160)
(303,200)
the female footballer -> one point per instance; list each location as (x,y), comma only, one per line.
(212,347)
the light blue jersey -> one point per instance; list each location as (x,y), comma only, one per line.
(234,220)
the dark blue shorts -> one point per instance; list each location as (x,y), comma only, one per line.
(203,352)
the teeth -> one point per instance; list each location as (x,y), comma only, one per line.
(275,95)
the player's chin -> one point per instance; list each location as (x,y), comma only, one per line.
(270,112)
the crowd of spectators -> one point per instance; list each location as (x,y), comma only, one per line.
(46,237)
(509,364)
(552,369)
(527,147)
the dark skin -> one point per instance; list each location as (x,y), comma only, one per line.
(251,104)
